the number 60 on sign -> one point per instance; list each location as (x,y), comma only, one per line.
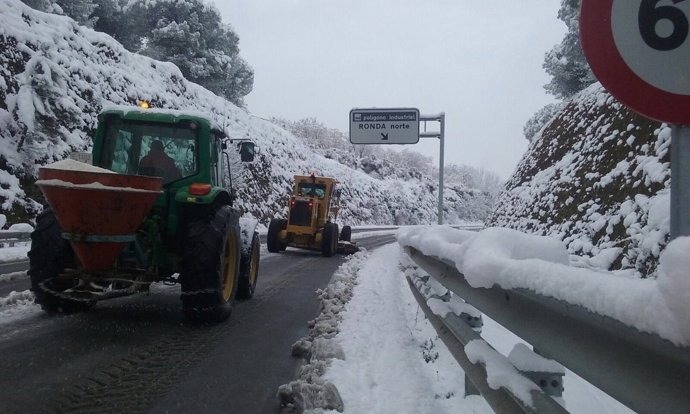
(640,51)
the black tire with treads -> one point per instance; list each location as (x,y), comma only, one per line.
(346,233)
(210,265)
(273,243)
(50,254)
(249,269)
(329,243)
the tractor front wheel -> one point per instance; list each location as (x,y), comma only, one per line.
(50,254)
(210,266)
(249,269)
(273,242)
(346,233)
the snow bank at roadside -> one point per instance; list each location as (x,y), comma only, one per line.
(17,305)
(310,392)
(394,362)
(512,259)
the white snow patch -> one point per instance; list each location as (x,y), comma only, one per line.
(17,305)
(73,165)
(513,260)
(92,186)
(500,372)
(526,360)
(384,337)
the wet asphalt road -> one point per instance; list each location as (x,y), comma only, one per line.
(137,354)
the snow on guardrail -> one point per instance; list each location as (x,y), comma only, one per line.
(627,336)
(511,259)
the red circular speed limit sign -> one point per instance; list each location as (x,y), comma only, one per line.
(640,51)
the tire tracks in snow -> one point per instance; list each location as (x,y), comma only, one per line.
(133,383)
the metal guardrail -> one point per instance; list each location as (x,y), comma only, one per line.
(9,239)
(456,334)
(12,237)
(646,373)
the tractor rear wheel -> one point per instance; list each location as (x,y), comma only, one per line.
(249,269)
(210,266)
(329,243)
(50,254)
(273,243)
(346,233)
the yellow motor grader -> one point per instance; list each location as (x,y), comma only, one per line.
(312,211)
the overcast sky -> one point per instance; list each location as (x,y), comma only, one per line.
(480,62)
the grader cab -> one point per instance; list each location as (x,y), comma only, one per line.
(311,224)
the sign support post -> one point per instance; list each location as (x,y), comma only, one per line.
(441,118)
(680,179)
(397,126)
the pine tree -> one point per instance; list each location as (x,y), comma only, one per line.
(124,24)
(566,62)
(188,33)
(539,119)
(567,65)
(80,10)
(191,35)
(48,6)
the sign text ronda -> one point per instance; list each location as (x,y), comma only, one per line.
(384,126)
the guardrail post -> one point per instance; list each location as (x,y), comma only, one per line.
(470,389)
(455,334)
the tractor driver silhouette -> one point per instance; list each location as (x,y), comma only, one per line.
(158,164)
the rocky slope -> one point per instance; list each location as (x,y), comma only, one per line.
(597,176)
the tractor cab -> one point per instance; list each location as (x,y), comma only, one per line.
(133,147)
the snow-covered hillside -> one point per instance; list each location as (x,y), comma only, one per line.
(55,77)
(596,177)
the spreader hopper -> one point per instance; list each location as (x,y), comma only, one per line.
(99,211)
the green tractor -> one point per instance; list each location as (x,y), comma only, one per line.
(149,204)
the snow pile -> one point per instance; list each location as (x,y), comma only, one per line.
(500,372)
(512,259)
(17,305)
(73,165)
(311,392)
(56,76)
(12,254)
(527,361)
(394,362)
(91,186)
(674,282)
(597,178)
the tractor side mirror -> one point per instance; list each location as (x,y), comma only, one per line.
(246,149)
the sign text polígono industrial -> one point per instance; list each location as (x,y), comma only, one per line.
(384,126)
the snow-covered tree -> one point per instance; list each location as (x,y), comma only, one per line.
(119,21)
(190,34)
(80,10)
(539,119)
(566,62)
(465,176)
(567,65)
(48,6)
